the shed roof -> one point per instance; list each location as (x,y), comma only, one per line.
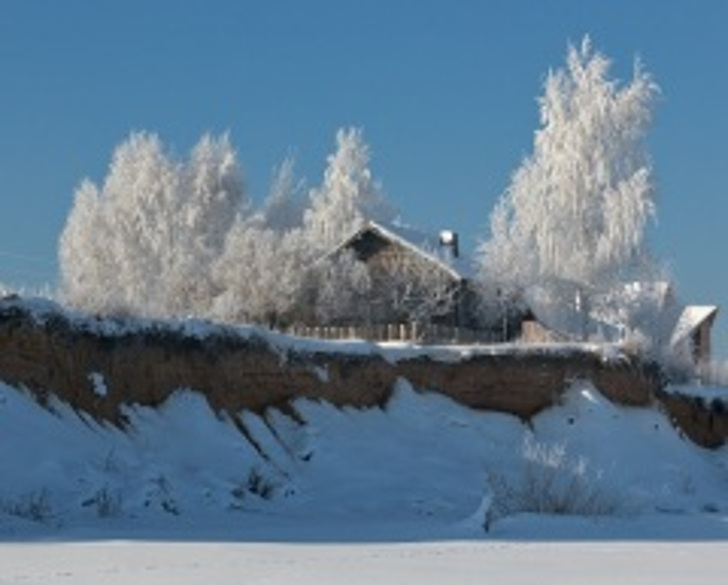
(690,320)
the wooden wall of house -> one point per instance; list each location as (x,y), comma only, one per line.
(382,255)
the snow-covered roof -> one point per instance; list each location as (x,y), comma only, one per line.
(690,320)
(425,245)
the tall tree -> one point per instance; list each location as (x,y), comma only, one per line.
(577,208)
(88,274)
(259,274)
(118,233)
(144,242)
(349,195)
(284,207)
(342,292)
(212,196)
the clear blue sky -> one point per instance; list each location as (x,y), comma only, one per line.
(445,91)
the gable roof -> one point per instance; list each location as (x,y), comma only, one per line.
(426,246)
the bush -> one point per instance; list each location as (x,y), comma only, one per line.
(550,481)
(259,485)
(33,506)
(160,493)
(106,502)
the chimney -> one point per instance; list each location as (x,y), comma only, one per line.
(449,240)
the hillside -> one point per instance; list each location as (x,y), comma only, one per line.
(101,433)
(419,468)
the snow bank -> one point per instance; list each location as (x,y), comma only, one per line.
(417,469)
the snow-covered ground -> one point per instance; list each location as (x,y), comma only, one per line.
(399,495)
(462,563)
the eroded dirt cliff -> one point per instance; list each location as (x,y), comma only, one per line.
(99,365)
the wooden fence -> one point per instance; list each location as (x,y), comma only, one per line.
(407,332)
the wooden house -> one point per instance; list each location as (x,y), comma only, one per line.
(422,289)
(418,281)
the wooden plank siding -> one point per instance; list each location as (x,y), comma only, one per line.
(382,255)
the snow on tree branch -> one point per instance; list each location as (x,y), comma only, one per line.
(348,196)
(143,243)
(577,207)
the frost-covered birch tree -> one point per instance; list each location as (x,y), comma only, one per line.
(577,208)
(117,233)
(143,243)
(284,206)
(414,290)
(212,196)
(349,195)
(85,267)
(260,274)
(343,294)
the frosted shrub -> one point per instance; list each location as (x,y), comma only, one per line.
(34,506)
(259,485)
(106,502)
(550,481)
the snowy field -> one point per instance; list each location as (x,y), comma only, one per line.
(589,492)
(462,563)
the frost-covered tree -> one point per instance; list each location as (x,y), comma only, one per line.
(577,208)
(260,275)
(283,209)
(118,233)
(414,290)
(167,237)
(143,243)
(88,273)
(349,195)
(212,196)
(343,293)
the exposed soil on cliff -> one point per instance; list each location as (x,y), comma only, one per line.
(49,351)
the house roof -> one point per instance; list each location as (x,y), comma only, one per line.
(691,319)
(425,245)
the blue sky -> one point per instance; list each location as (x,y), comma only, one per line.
(445,92)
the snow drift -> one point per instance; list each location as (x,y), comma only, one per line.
(422,467)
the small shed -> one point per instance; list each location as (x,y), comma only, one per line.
(691,336)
